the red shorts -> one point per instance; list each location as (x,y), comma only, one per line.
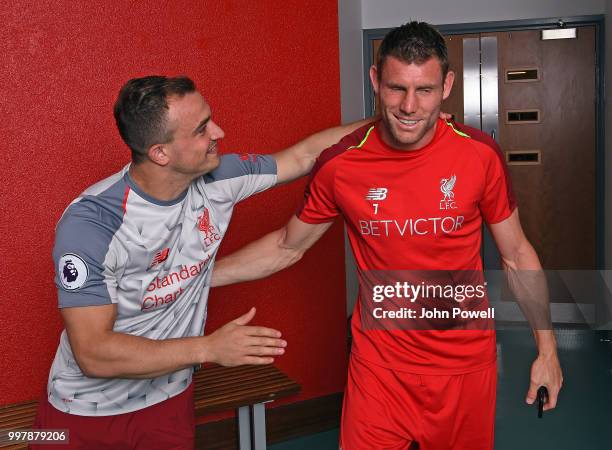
(387,409)
(166,425)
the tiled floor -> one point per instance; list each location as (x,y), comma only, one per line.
(583,419)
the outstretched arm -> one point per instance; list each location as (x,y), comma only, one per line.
(269,254)
(297,160)
(103,353)
(528,284)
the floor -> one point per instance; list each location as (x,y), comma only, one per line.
(583,419)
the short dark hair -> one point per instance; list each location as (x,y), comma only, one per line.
(141,111)
(413,42)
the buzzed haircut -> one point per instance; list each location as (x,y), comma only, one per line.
(141,111)
(413,42)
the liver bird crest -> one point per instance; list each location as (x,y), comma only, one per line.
(446,187)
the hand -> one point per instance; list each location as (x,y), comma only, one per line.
(235,343)
(545,371)
(445,116)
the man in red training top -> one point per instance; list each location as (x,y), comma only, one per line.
(413,190)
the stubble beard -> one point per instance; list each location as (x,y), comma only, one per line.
(401,139)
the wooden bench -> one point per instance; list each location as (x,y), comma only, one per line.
(244,388)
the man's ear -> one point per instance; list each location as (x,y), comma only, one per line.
(158,153)
(448,84)
(374,78)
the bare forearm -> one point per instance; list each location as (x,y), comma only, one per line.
(528,284)
(257,260)
(268,255)
(545,338)
(119,355)
(104,353)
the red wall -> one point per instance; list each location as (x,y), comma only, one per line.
(270,71)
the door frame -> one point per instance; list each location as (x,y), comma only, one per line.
(531,24)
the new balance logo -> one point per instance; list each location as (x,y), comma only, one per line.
(160,257)
(377,194)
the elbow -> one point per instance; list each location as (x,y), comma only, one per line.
(288,254)
(90,365)
(295,256)
(522,257)
(303,166)
(97,370)
(288,257)
(307,164)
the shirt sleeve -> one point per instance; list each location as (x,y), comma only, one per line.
(82,261)
(498,201)
(240,176)
(319,204)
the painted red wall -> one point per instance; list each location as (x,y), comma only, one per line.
(270,71)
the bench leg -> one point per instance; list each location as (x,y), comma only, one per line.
(244,428)
(259,426)
(252,427)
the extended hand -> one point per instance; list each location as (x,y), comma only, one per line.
(235,343)
(545,371)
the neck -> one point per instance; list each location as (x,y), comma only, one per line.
(159,182)
(388,138)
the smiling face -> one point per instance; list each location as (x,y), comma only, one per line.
(410,98)
(193,148)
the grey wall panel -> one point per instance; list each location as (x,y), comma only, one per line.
(351,101)
(471,82)
(351,61)
(489,85)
